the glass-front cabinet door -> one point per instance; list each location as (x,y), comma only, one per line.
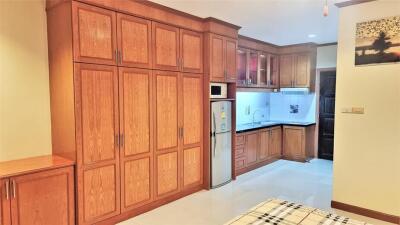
(241,67)
(263,67)
(273,71)
(253,68)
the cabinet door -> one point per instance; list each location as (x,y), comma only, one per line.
(191,51)
(136,125)
(5,207)
(167,138)
(94,34)
(251,148)
(192,129)
(294,142)
(241,67)
(286,70)
(253,68)
(134,41)
(97,129)
(275,142)
(263,69)
(230,59)
(165,47)
(273,71)
(217,64)
(44,198)
(264,145)
(302,71)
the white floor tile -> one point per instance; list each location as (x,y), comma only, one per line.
(306,183)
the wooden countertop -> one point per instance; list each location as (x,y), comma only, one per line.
(31,165)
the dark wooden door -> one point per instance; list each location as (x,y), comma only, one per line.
(326,114)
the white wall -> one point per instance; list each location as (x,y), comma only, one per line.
(327,56)
(25,128)
(367,146)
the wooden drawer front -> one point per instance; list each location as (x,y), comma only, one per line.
(240,139)
(240,162)
(239,151)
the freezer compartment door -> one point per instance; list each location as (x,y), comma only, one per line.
(221,116)
(221,159)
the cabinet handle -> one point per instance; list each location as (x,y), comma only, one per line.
(122,140)
(119,57)
(13,184)
(116,140)
(116,56)
(183,132)
(7,184)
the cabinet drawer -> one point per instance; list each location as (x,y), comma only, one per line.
(240,139)
(239,151)
(240,163)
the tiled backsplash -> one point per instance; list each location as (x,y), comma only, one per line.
(291,107)
(250,102)
(275,106)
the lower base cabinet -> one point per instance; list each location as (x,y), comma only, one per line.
(298,142)
(43,198)
(257,148)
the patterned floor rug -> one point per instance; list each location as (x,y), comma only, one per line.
(279,212)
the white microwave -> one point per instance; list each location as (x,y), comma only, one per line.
(218,90)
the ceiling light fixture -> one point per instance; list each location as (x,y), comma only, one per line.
(326,9)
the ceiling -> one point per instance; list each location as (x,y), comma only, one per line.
(280,22)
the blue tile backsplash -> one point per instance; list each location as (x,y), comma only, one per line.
(275,107)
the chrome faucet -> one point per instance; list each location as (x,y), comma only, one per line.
(254,113)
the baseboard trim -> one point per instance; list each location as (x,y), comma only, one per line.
(366,212)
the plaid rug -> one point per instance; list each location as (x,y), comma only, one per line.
(279,212)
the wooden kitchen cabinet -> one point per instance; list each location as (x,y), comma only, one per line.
(127,101)
(166,47)
(191,51)
(252,146)
(94,34)
(37,190)
(222,58)
(257,148)
(257,69)
(297,70)
(264,148)
(275,142)
(298,142)
(136,155)
(134,41)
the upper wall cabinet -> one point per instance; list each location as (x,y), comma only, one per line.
(191,51)
(257,69)
(166,47)
(177,49)
(222,58)
(134,41)
(297,70)
(94,32)
(105,37)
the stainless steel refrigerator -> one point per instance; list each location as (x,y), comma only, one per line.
(221,144)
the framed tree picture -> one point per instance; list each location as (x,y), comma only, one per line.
(378,41)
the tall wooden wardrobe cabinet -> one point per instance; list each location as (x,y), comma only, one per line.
(126,104)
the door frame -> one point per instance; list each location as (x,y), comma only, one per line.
(317,89)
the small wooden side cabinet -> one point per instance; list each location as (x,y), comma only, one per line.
(298,142)
(37,190)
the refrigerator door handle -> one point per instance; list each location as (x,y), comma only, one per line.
(215,145)
(214,123)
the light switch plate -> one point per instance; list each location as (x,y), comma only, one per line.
(353,110)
